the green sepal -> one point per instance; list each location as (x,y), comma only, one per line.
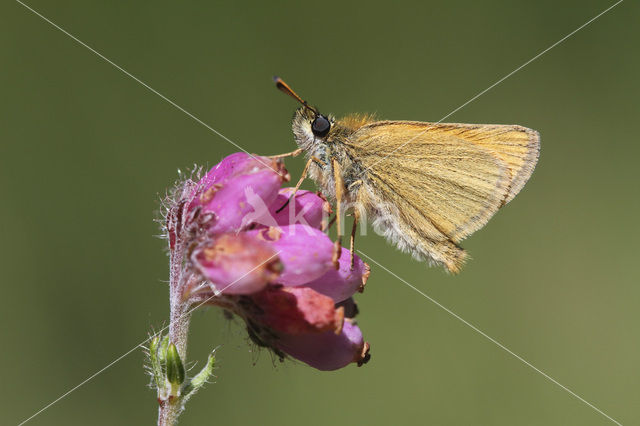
(156,368)
(200,379)
(162,354)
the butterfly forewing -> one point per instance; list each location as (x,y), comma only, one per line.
(446,180)
(517,146)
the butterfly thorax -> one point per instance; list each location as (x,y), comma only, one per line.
(333,147)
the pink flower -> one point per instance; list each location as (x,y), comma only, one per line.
(305,252)
(237,264)
(272,268)
(328,350)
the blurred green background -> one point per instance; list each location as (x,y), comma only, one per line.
(86,152)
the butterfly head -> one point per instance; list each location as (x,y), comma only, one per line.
(310,127)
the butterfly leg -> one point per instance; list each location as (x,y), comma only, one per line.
(339,183)
(303,176)
(352,250)
(328,224)
(287,154)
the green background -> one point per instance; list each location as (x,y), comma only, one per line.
(85,153)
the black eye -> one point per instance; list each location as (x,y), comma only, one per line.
(320,126)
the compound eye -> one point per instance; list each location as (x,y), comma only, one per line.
(320,126)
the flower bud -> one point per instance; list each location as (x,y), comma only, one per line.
(175,369)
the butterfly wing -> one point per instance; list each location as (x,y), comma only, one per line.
(431,185)
(517,146)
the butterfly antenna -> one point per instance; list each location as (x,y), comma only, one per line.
(280,84)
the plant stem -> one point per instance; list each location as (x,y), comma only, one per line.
(171,407)
(179,321)
(168,411)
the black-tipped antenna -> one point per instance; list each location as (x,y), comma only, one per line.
(281,85)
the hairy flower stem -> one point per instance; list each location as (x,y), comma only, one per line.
(171,407)
(179,316)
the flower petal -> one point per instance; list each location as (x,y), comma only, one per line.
(328,350)
(240,201)
(306,208)
(296,310)
(237,164)
(237,264)
(305,252)
(342,283)
(227,190)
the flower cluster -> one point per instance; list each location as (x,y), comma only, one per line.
(233,245)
